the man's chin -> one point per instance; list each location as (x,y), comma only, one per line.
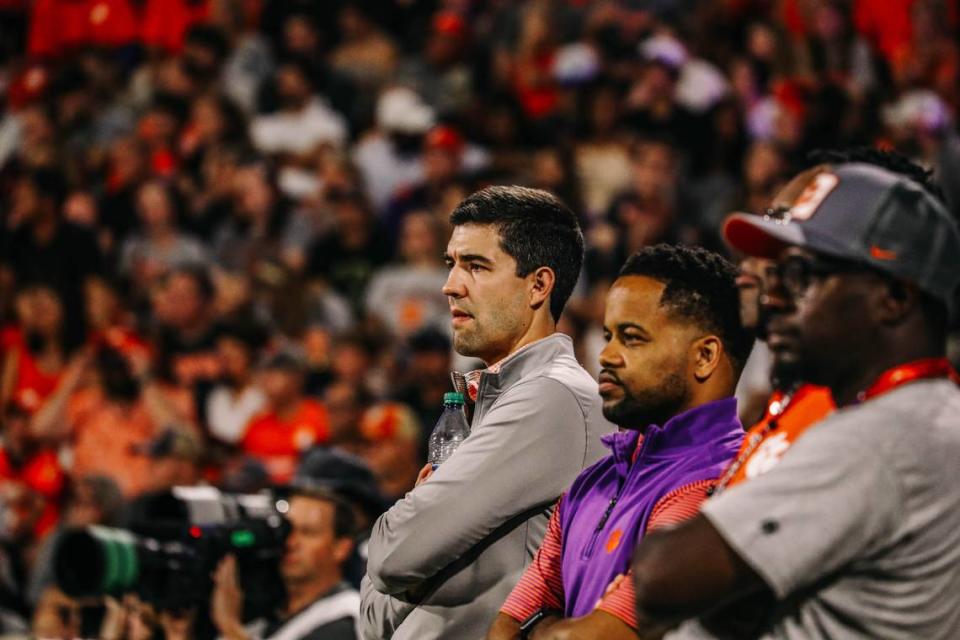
(788,372)
(615,412)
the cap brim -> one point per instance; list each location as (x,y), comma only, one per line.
(368,499)
(760,237)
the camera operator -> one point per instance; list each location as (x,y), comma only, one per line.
(319,603)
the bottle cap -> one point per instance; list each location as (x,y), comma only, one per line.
(453,398)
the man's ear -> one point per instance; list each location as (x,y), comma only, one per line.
(706,353)
(342,549)
(897,300)
(542,282)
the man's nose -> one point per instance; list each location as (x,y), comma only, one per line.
(453,287)
(610,356)
(774,297)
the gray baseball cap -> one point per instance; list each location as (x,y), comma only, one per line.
(864,213)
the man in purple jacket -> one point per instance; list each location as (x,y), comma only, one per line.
(675,348)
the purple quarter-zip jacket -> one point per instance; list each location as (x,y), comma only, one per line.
(605,512)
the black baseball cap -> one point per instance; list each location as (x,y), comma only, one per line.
(338,474)
(867,214)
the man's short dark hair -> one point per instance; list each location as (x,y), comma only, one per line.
(701,288)
(889,160)
(536,229)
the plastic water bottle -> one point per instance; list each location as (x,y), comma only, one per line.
(451,430)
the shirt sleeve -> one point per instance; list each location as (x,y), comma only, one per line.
(830,499)
(680,504)
(380,615)
(527,449)
(541,585)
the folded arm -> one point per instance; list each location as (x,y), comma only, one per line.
(528,447)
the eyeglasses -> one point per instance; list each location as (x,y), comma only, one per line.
(797,273)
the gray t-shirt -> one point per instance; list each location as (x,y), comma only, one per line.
(857,529)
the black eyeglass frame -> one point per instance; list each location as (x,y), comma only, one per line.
(797,273)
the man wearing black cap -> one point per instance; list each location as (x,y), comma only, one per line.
(331,497)
(854,530)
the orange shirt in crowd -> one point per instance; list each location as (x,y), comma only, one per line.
(32,386)
(41,472)
(105,435)
(278,443)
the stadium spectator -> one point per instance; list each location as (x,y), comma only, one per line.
(236,399)
(106,420)
(404,297)
(38,351)
(161,247)
(392,436)
(864,311)
(674,311)
(514,258)
(319,603)
(290,424)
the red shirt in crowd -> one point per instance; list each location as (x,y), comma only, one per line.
(278,443)
(32,385)
(40,472)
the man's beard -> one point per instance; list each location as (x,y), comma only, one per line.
(650,406)
(788,375)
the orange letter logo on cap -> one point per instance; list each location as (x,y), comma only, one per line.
(811,197)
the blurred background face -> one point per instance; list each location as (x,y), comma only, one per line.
(300,36)
(419,238)
(154,205)
(26,201)
(828,21)
(440,165)
(235,359)
(84,510)
(763,166)
(207,119)
(654,170)
(604,111)
(180,302)
(126,161)
(548,169)
(350,362)
(253,192)
(15,429)
(101,302)
(751,284)
(312,548)
(659,80)
(293,89)
(349,215)
(40,311)
(281,386)
(344,411)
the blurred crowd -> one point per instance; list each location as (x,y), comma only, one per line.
(223,221)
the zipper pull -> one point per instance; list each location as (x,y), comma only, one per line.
(606,514)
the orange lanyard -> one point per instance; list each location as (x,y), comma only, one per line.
(903,374)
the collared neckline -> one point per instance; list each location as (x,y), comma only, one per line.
(692,428)
(472,378)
